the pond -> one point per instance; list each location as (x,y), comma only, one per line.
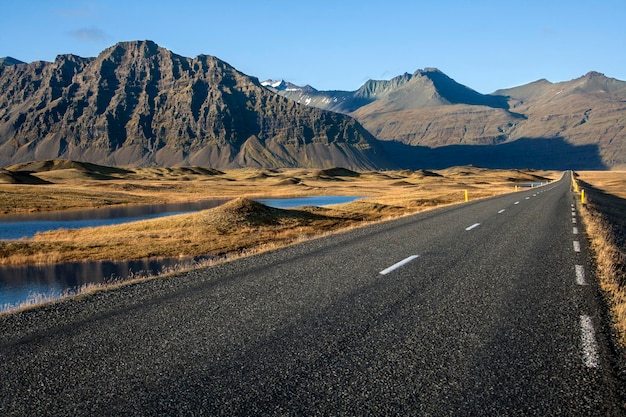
(19,284)
(319,201)
(22,283)
(16,226)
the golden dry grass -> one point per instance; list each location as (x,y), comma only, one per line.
(604,216)
(241,225)
(239,228)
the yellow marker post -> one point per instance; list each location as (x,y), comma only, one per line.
(582,196)
(466,196)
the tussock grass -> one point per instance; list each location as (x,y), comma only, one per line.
(604,217)
(611,267)
(241,224)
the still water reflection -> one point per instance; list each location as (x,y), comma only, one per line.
(21,283)
(319,201)
(27,225)
(18,284)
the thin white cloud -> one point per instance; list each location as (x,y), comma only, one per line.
(92,34)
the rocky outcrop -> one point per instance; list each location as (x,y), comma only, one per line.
(138,104)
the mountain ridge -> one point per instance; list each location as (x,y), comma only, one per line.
(429,109)
(139,104)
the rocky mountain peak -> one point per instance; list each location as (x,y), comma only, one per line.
(377,88)
(596,82)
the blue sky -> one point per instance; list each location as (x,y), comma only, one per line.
(340,44)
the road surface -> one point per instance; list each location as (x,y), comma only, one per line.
(486,308)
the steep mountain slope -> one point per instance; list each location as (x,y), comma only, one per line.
(139,104)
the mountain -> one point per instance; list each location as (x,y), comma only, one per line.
(580,121)
(590,110)
(425,108)
(7,61)
(424,88)
(138,104)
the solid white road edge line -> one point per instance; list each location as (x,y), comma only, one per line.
(580,275)
(589,344)
(474,226)
(398,265)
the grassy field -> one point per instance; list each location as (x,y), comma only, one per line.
(604,214)
(239,226)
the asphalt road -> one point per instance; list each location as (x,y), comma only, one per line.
(487,308)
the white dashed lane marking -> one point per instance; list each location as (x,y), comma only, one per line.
(580,275)
(398,264)
(589,344)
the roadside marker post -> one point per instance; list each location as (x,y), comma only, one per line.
(466,196)
(582,196)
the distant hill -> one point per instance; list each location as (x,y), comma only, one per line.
(138,104)
(8,61)
(584,119)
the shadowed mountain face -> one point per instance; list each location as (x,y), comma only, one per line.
(8,61)
(138,104)
(538,153)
